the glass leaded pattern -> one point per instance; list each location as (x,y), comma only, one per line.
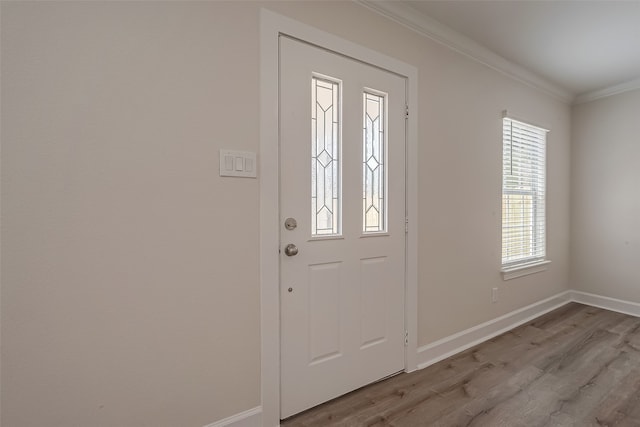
(373,166)
(325,157)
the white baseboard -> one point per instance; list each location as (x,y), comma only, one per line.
(448,346)
(249,418)
(612,304)
(453,344)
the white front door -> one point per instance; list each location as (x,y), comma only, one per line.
(342,208)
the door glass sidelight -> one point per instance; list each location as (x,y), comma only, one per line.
(325,157)
(374,153)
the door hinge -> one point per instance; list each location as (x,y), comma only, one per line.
(406,338)
(406,225)
(406,111)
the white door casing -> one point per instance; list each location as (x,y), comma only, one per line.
(272,25)
(342,296)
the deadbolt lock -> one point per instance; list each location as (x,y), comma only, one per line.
(290,223)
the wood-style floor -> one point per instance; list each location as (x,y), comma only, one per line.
(576,366)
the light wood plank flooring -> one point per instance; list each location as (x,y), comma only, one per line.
(575,366)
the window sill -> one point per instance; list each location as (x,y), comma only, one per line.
(524,270)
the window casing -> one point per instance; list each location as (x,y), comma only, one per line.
(523,194)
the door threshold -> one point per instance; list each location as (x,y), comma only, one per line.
(342,396)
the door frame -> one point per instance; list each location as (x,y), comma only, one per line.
(272,25)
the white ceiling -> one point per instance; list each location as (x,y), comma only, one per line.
(581,46)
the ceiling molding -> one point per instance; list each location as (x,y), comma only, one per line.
(608,91)
(429,27)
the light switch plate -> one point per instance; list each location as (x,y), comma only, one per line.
(238,163)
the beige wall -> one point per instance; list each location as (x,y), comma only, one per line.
(460,150)
(130,291)
(605,219)
(129,273)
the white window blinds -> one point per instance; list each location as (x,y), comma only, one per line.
(523,193)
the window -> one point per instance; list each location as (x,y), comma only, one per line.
(325,157)
(374,150)
(523,194)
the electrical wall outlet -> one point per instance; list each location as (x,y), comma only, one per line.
(494,295)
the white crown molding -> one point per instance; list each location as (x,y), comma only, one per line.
(608,91)
(417,21)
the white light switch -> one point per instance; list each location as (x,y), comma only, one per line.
(237,163)
(228,163)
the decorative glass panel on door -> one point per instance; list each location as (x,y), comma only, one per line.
(325,157)
(374,151)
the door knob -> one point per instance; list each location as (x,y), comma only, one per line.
(291,250)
